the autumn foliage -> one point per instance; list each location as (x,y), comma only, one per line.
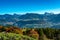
(33,34)
(11,29)
(36,33)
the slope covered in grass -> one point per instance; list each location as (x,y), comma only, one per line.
(13,36)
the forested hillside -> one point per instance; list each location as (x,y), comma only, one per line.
(15,33)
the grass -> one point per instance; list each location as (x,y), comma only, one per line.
(13,36)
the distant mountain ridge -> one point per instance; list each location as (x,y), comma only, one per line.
(33,20)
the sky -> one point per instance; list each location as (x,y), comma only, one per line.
(29,6)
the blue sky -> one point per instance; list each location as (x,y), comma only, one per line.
(29,6)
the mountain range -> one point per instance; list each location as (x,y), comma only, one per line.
(31,20)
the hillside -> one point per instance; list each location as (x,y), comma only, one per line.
(13,36)
(15,33)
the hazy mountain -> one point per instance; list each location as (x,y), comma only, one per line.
(31,20)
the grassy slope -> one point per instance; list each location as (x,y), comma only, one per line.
(9,36)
